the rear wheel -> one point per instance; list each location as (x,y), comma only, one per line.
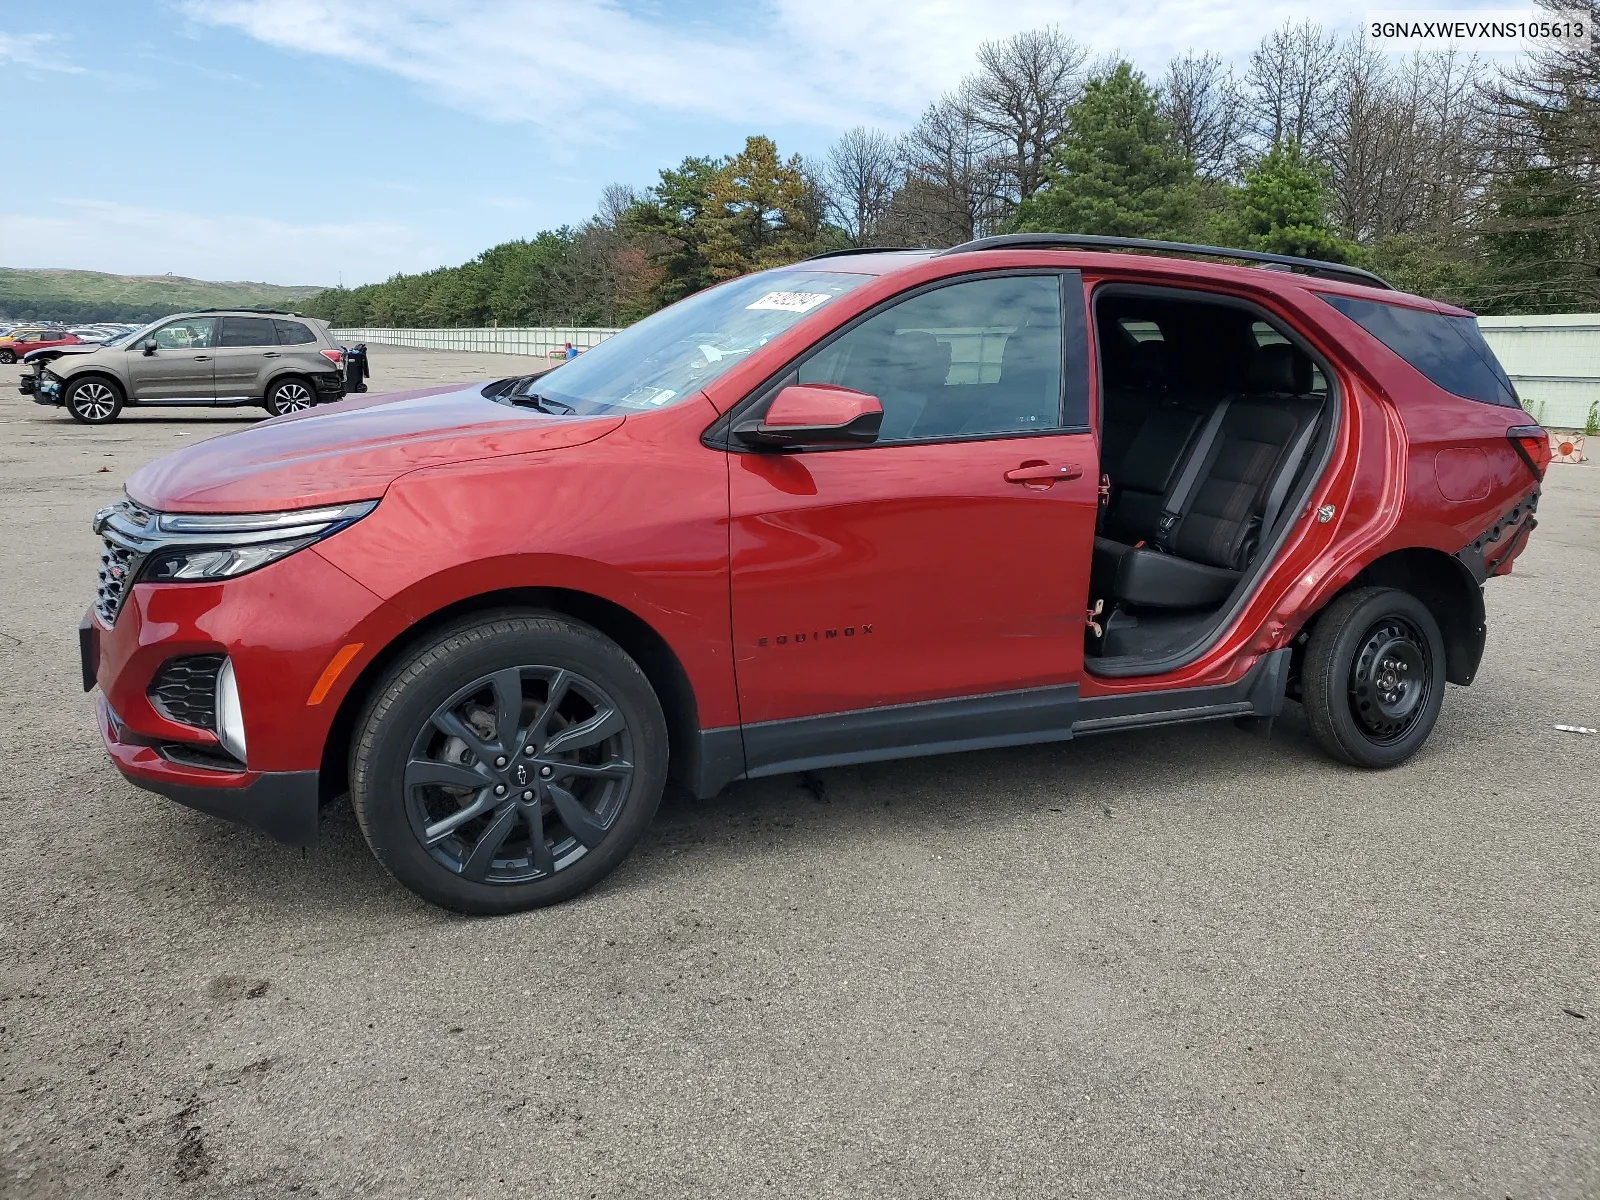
(8,355)
(1373,679)
(94,401)
(509,763)
(290,395)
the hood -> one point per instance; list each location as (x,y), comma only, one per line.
(49,353)
(353,450)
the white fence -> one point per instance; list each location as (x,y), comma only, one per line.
(1554,360)
(488,341)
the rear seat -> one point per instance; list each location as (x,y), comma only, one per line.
(1204,531)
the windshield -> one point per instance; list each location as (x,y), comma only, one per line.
(677,351)
(133,333)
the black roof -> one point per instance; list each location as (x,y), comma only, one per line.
(1095,241)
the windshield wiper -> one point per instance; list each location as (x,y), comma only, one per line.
(544,404)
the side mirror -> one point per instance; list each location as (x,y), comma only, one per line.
(148,346)
(804,414)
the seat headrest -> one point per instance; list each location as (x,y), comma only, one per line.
(920,359)
(1150,365)
(1279,367)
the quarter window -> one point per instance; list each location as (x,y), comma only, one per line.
(974,358)
(1450,351)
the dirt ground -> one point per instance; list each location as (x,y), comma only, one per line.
(1183,962)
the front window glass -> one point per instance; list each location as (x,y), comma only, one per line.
(187,333)
(974,358)
(677,351)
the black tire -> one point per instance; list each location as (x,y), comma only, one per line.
(8,356)
(1373,678)
(404,751)
(290,394)
(93,400)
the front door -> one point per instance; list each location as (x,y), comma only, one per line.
(950,558)
(181,367)
(246,347)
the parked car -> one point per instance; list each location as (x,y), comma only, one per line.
(216,358)
(867,506)
(19,342)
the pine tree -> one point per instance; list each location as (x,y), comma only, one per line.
(1118,170)
(1282,207)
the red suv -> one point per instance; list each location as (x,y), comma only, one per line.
(867,506)
(14,345)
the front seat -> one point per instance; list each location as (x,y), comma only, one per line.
(1241,464)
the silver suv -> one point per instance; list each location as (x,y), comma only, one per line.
(216,358)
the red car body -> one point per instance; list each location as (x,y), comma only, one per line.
(15,346)
(767,595)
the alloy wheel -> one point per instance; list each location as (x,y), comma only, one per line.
(1390,680)
(94,401)
(292,397)
(519,774)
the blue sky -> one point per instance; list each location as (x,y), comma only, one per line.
(309,141)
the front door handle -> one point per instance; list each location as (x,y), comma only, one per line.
(202,358)
(1040,474)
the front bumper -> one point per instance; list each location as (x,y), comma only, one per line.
(281,804)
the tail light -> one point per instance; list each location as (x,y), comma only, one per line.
(1532,444)
(337,356)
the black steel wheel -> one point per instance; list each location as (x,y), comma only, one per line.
(1372,681)
(93,400)
(290,395)
(510,763)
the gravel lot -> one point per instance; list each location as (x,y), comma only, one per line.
(1172,963)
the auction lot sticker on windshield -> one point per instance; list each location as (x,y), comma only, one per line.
(795,302)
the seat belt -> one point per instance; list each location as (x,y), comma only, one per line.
(1178,497)
(1286,476)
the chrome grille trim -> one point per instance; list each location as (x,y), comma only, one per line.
(127,534)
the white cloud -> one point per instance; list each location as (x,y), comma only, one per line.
(99,235)
(586,67)
(32,50)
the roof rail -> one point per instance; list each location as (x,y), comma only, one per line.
(1095,241)
(865,250)
(266,312)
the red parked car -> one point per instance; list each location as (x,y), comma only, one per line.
(867,506)
(19,342)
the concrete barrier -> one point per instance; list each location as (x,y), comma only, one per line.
(531,341)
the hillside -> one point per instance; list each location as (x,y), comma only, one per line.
(70,296)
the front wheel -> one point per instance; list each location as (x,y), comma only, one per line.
(93,401)
(509,763)
(1373,679)
(289,395)
(8,356)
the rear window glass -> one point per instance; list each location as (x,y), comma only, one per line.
(247,331)
(1450,351)
(292,333)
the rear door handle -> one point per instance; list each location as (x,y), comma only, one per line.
(269,354)
(202,358)
(1036,472)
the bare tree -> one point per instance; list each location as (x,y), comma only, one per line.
(1201,100)
(952,185)
(1289,86)
(1019,97)
(859,177)
(615,200)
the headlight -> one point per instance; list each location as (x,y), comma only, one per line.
(195,547)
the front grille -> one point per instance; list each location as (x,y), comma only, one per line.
(185,690)
(124,528)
